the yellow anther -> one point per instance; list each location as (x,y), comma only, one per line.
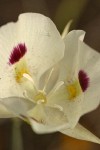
(74,90)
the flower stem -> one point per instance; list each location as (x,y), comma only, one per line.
(17,143)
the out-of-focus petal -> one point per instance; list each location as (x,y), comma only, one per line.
(81,133)
(42,129)
(19,106)
(49,79)
(8,85)
(5,113)
(8,39)
(47,119)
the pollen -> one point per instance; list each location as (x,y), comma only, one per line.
(17,53)
(74,90)
(40,98)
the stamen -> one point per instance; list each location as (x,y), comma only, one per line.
(84,80)
(48,79)
(41,101)
(40,98)
(17,53)
(28,77)
(19,74)
(21,69)
(58,85)
(58,107)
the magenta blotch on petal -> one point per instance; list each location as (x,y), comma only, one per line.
(84,80)
(17,53)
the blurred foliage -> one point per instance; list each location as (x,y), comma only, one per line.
(69,10)
(35,6)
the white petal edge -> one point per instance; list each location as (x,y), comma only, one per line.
(18,106)
(48,119)
(79,132)
(43,129)
(5,113)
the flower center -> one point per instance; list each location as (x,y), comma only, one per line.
(78,86)
(74,90)
(40,97)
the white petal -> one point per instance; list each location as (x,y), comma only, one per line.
(49,79)
(8,39)
(48,119)
(17,105)
(43,41)
(5,113)
(44,45)
(11,88)
(42,129)
(70,60)
(82,58)
(71,108)
(8,85)
(89,61)
(91,97)
(79,132)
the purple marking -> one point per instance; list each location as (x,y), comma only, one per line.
(17,53)
(84,80)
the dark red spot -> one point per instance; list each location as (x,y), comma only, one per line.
(84,80)
(17,53)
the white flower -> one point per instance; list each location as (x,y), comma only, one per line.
(80,72)
(77,89)
(36,86)
(28,48)
(79,93)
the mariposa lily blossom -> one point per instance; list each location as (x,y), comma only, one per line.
(42,85)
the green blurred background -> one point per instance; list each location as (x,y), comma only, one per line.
(86,16)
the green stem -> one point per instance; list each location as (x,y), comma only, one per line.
(17,143)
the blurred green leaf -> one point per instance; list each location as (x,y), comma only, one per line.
(67,10)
